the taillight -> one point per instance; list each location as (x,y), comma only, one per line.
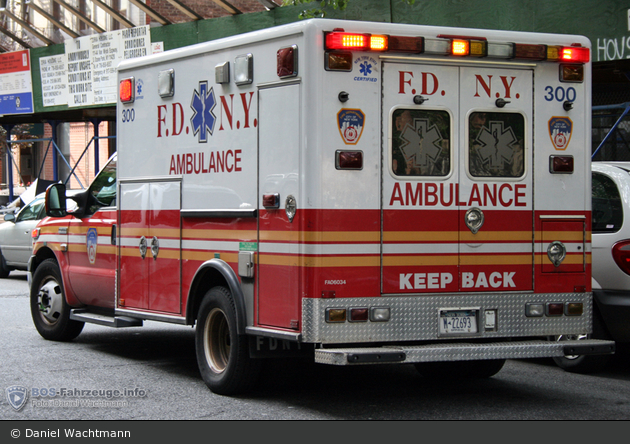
(621,255)
(126,90)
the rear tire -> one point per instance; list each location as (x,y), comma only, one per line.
(49,309)
(585,363)
(223,354)
(460,369)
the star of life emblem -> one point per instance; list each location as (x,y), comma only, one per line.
(17,396)
(421,143)
(203,103)
(496,145)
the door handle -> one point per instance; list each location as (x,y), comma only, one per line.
(155,247)
(143,247)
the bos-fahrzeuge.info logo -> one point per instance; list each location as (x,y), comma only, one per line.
(17,396)
(49,397)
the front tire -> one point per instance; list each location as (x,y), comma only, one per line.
(460,369)
(223,354)
(49,309)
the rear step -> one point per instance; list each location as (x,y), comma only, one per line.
(81,314)
(463,351)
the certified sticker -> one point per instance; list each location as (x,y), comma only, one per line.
(92,240)
(350,123)
(560,129)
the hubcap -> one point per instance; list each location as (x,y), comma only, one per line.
(217,340)
(50,301)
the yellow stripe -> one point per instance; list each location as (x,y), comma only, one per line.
(219,234)
(420,261)
(496,259)
(301,261)
(82,248)
(150,232)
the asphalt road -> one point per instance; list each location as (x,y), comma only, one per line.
(156,366)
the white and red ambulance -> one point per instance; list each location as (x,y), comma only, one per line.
(362,192)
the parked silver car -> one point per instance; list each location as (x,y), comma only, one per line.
(610,262)
(16,243)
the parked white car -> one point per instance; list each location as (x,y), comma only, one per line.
(16,244)
(610,262)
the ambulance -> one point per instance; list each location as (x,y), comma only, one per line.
(355,192)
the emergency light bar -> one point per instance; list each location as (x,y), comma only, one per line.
(463,46)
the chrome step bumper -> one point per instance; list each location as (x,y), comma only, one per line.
(462,351)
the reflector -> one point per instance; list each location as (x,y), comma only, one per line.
(287,62)
(561,164)
(349,160)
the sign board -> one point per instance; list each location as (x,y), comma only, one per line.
(16,88)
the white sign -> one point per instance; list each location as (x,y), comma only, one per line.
(92,63)
(53,70)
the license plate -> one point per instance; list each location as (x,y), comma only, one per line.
(457,322)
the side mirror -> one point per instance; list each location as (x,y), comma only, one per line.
(56,200)
(9,217)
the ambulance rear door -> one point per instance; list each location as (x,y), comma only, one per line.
(457,178)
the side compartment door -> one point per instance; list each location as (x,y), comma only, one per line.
(150,246)
(278,277)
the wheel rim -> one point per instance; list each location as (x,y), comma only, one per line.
(571,338)
(50,301)
(217,340)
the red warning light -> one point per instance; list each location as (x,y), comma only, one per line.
(126,90)
(575,54)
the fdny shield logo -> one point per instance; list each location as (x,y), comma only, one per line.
(92,241)
(17,396)
(350,122)
(560,129)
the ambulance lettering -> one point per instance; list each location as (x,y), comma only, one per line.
(494,280)
(428,83)
(486,86)
(424,281)
(430,194)
(233,114)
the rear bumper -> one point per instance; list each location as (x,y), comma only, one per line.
(462,352)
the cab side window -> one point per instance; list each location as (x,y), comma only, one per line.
(496,144)
(102,192)
(420,143)
(607,208)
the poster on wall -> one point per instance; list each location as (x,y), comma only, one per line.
(91,64)
(53,72)
(16,88)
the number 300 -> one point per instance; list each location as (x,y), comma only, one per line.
(559,94)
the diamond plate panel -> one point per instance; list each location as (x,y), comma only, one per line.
(456,351)
(415,318)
